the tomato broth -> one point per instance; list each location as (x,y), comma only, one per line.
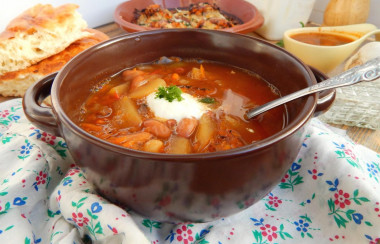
(206,112)
(322,38)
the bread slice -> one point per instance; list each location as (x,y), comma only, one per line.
(15,83)
(38,33)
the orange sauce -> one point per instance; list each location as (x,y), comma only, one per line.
(322,39)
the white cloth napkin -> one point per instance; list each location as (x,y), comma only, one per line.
(329,195)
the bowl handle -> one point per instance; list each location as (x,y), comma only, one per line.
(325,98)
(40,116)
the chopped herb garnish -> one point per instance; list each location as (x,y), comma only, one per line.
(280,43)
(169,93)
(207,100)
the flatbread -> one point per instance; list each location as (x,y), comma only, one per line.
(17,82)
(38,33)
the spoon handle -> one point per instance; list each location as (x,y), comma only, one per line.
(366,72)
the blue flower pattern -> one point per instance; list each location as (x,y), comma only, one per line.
(25,149)
(373,170)
(301,225)
(96,207)
(67,181)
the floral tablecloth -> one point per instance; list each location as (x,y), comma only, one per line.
(331,194)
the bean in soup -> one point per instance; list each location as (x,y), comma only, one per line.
(181,106)
(322,38)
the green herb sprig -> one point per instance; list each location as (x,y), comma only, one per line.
(208,100)
(169,93)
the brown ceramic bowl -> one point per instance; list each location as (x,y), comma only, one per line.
(246,12)
(326,97)
(195,187)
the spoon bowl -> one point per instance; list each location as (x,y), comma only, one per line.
(326,58)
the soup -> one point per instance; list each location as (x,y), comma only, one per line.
(322,39)
(181,106)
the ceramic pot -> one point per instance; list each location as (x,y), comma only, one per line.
(194,187)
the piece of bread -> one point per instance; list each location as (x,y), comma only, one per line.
(15,83)
(38,33)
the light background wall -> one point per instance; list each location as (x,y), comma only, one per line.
(99,12)
(320,6)
(95,12)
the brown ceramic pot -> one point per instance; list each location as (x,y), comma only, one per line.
(195,187)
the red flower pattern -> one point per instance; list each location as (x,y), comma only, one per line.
(114,230)
(376,241)
(274,201)
(249,202)
(41,178)
(286,176)
(79,219)
(184,234)
(59,196)
(73,172)
(350,153)
(48,138)
(269,232)
(4,113)
(377,209)
(341,199)
(165,201)
(314,174)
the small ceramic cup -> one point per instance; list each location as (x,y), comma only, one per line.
(326,58)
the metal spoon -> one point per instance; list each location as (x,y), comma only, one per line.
(366,72)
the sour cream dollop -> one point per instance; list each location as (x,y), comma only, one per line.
(186,108)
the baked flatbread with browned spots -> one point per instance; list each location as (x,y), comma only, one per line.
(39,33)
(15,83)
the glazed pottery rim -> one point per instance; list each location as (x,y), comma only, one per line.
(304,115)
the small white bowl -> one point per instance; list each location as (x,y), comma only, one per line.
(326,58)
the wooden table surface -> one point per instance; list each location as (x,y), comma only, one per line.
(367,137)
